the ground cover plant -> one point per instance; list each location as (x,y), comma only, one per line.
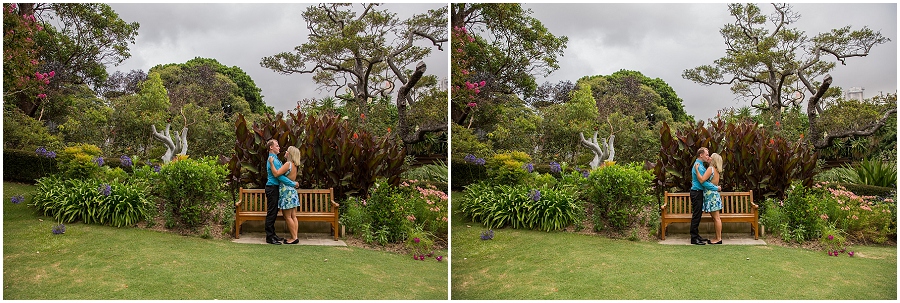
(91,262)
(534,265)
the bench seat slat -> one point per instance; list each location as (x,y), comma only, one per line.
(315,205)
(737,207)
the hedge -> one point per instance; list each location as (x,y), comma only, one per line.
(26,166)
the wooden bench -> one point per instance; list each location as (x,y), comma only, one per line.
(315,205)
(737,207)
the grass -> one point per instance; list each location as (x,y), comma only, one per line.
(101,262)
(535,265)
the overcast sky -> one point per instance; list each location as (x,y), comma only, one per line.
(240,35)
(662,40)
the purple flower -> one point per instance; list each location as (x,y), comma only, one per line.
(555,167)
(126,161)
(421,257)
(585,173)
(17,199)
(416,240)
(535,195)
(480,161)
(416,257)
(105,189)
(439,258)
(156,168)
(830,237)
(470,158)
(59,229)
(99,161)
(43,152)
(487,235)
(850,253)
(528,167)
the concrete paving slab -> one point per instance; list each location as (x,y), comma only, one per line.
(314,239)
(727,239)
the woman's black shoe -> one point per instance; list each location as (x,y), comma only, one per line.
(714,243)
(298,241)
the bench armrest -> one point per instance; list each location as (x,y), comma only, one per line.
(663,207)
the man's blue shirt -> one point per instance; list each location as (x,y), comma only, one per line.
(695,182)
(282,179)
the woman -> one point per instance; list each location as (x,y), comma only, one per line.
(712,200)
(288,199)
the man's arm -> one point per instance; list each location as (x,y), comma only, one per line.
(277,172)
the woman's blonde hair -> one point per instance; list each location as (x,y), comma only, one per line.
(293,155)
(716,161)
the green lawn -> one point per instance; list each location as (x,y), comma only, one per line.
(535,265)
(101,262)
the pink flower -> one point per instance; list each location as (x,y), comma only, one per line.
(441,257)
(830,237)
(52,73)
(465,72)
(470,85)
(850,253)
(482,83)
(472,104)
(477,90)
(39,76)
(855,217)
(416,240)
(825,217)
(42,96)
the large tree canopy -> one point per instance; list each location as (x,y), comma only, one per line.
(775,65)
(210,75)
(76,41)
(502,45)
(367,51)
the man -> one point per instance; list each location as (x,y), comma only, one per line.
(697,187)
(272,192)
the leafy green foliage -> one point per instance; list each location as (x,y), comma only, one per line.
(618,194)
(508,168)
(466,173)
(26,166)
(867,172)
(70,200)
(78,161)
(398,213)
(192,189)
(812,212)
(332,154)
(668,98)
(520,206)
(753,159)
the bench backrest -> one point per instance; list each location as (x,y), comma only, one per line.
(311,200)
(732,203)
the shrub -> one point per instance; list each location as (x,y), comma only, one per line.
(865,218)
(333,154)
(92,201)
(81,161)
(618,193)
(192,188)
(867,172)
(466,173)
(508,168)
(356,215)
(520,206)
(432,172)
(27,166)
(754,159)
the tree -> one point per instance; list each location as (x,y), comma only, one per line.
(89,36)
(668,98)
(513,48)
(365,52)
(775,65)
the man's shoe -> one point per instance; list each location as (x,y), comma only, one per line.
(273,241)
(280,239)
(702,239)
(697,241)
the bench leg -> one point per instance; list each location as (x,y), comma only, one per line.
(334,229)
(237,229)
(662,230)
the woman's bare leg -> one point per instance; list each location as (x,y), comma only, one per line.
(718,223)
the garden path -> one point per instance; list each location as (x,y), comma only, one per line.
(316,239)
(727,239)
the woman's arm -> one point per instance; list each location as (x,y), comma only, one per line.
(278,172)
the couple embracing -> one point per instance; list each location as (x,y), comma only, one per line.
(281,192)
(705,195)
